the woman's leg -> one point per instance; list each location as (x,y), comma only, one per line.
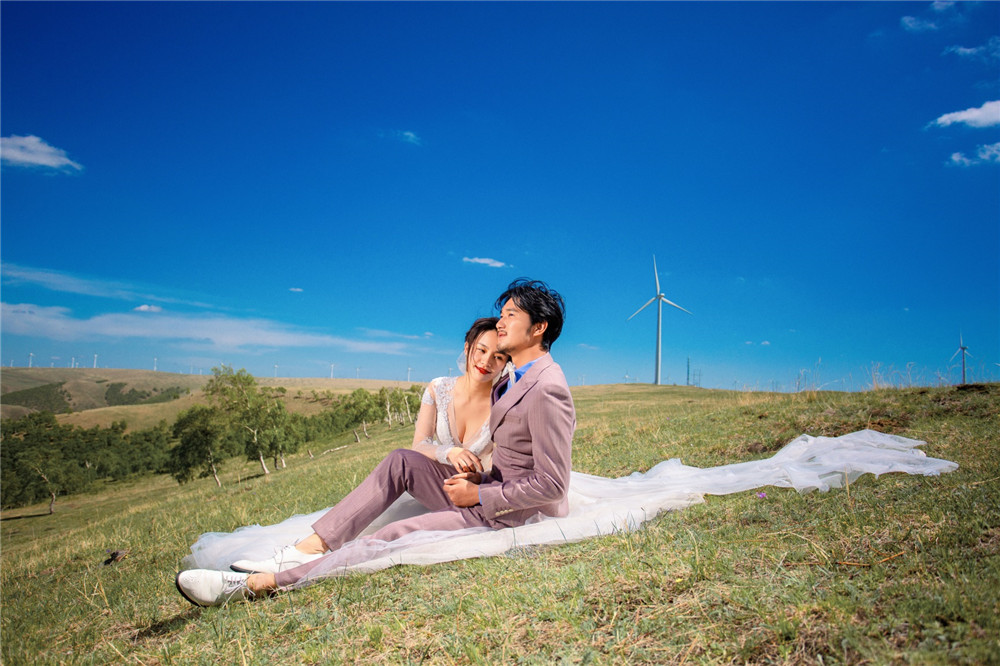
(367,547)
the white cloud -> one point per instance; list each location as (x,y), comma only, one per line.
(987,154)
(942,5)
(216,332)
(913,24)
(986,115)
(988,51)
(31,151)
(485,261)
(409,137)
(69,284)
(380,333)
(958,159)
(963,51)
(404,136)
(148,308)
(297,290)
(587,347)
(766,343)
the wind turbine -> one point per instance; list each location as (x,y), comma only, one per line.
(963,350)
(659,299)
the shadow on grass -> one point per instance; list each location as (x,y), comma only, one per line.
(167,626)
(32,515)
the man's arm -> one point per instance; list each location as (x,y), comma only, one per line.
(550,428)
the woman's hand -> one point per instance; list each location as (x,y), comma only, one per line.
(464,460)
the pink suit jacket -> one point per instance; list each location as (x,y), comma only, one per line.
(532,427)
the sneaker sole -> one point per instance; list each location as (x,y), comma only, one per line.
(246,571)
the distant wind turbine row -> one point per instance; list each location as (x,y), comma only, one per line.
(659,299)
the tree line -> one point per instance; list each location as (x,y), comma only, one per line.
(43,459)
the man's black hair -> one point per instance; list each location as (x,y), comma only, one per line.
(540,302)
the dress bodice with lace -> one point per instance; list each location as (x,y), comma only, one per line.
(439,394)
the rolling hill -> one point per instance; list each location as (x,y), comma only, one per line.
(142,398)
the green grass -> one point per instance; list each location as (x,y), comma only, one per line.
(897,569)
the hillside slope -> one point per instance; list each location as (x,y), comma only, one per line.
(93,397)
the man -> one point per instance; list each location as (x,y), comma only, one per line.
(531,421)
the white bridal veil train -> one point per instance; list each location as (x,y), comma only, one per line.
(597,505)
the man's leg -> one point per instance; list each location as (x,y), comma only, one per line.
(403,470)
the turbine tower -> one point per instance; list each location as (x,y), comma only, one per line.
(659,299)
(963,350)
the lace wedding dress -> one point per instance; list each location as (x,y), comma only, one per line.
(598,505)
(438,436)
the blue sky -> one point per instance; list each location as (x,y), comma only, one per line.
(306,184)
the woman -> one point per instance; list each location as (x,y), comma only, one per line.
(452,429)
(453,426)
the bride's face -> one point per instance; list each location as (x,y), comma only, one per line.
(484,362)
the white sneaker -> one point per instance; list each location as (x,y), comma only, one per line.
(287,558)
(204,587)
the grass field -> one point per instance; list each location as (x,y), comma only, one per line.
(897,569)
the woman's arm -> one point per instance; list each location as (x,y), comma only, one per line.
(425,438)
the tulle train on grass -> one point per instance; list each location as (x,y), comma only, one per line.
(598,505)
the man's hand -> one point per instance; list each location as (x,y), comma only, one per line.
(463,489)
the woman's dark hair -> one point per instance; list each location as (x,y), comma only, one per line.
(540,302)
(478,327)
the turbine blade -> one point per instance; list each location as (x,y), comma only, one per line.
(669,302)
(656,275)
(955,354)
(643,307)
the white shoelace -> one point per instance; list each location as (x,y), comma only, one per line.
(234,583)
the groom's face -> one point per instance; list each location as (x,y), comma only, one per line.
(515,331)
